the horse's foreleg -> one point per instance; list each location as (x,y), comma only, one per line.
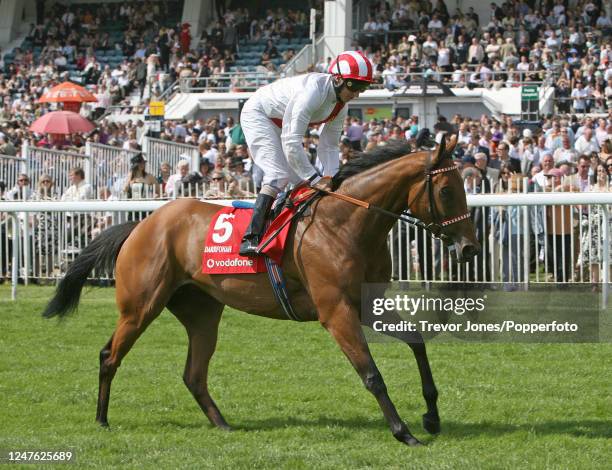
(343,323)
(200,315)
(414,339)
(431,419)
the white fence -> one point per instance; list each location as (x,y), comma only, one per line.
(562,238)
(104,166)
(10,168)
(54,163)
(159,151)
(109,166)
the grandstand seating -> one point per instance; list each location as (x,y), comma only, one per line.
(249,53)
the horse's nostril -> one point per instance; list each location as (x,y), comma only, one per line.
(469,251)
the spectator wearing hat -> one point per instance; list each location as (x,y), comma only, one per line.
(140,184)
(204,170)
(238,173)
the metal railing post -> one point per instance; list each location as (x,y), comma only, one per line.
(15,261)
(526,233)
(88,164)
(606,258)
(25,152)
(26,248)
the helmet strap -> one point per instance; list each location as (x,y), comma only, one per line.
(338,82)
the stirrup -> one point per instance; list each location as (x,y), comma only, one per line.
(248,247)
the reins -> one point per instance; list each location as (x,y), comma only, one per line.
(435,227)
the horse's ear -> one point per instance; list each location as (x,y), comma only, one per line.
(440,150)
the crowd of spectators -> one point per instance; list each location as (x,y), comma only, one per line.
(565,44)
(128,56)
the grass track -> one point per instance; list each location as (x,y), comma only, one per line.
(293,398)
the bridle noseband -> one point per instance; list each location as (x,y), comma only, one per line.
(437,223)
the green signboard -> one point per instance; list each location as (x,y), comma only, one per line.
(530,93)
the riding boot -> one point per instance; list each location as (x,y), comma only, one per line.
(254,231)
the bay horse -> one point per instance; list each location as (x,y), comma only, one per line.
(330,252)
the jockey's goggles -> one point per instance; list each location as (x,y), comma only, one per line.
(356,86)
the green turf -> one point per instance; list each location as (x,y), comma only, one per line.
(293,398)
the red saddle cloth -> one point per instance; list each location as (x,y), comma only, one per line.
(227,227)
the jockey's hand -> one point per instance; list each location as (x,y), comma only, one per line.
(324,183)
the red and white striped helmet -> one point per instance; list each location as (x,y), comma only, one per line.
(352,64)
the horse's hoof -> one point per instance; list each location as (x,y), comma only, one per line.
(225,428)
(103,424)
(431,424)
(409,440)
(412,442)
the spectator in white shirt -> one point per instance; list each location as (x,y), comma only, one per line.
(434,23)
(579,95)
(79,190)
(565,153)
(182,168)
(586,143)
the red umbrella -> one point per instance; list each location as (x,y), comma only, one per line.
(61,122)
(67,92)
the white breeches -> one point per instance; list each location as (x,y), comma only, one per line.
(264,142)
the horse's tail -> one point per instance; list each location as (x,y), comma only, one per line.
(100,254)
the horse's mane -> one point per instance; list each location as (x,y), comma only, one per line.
(363,161)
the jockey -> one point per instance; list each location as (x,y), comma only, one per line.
(276,118)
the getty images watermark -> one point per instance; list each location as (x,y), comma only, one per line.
(451,313)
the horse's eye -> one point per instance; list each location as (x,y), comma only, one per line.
(445,192)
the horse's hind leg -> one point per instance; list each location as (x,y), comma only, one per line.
(104,383)
(200,315)
(134,319)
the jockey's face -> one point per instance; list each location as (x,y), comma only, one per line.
(347,95)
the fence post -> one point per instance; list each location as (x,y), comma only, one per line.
(145,146)
(606,257)
(25,154)
(195,160)
(88,164)
(15,262)
(526,234)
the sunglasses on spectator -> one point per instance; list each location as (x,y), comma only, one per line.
(357,85)
(45,181)
(217,179)
(23,180)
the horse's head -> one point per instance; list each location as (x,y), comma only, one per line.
(441,204)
